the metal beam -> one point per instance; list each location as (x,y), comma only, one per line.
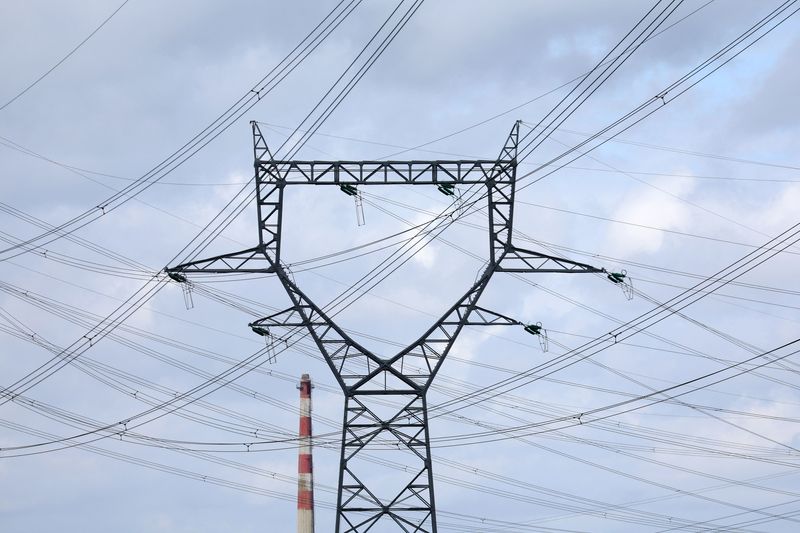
(454,172)
(522,260)
(250,260)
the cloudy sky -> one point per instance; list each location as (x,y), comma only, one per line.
(705,180)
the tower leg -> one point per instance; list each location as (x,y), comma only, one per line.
(379,491)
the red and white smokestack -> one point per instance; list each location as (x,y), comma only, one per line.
(305,467)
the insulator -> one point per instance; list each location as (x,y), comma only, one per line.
(348,189)
(448,189)
(177,276)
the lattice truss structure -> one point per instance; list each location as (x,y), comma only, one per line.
(366,378)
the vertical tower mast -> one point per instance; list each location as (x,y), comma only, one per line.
(305,464)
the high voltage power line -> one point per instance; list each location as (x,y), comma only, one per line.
(427,231)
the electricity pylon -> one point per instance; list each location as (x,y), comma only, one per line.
(367,379)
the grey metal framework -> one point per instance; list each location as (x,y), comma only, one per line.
(385,397)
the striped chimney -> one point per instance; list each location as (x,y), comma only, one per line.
(305,467)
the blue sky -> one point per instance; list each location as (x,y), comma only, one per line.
(672,200)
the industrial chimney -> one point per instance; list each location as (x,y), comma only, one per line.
(305,465)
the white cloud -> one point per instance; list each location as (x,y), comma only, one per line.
(649,207)
(130,97)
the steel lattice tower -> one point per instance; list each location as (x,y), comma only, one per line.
(368,379)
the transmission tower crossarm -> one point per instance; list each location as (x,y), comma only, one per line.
(522,260)
(290,318)
(251,260)
(480,316)
(453,172)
